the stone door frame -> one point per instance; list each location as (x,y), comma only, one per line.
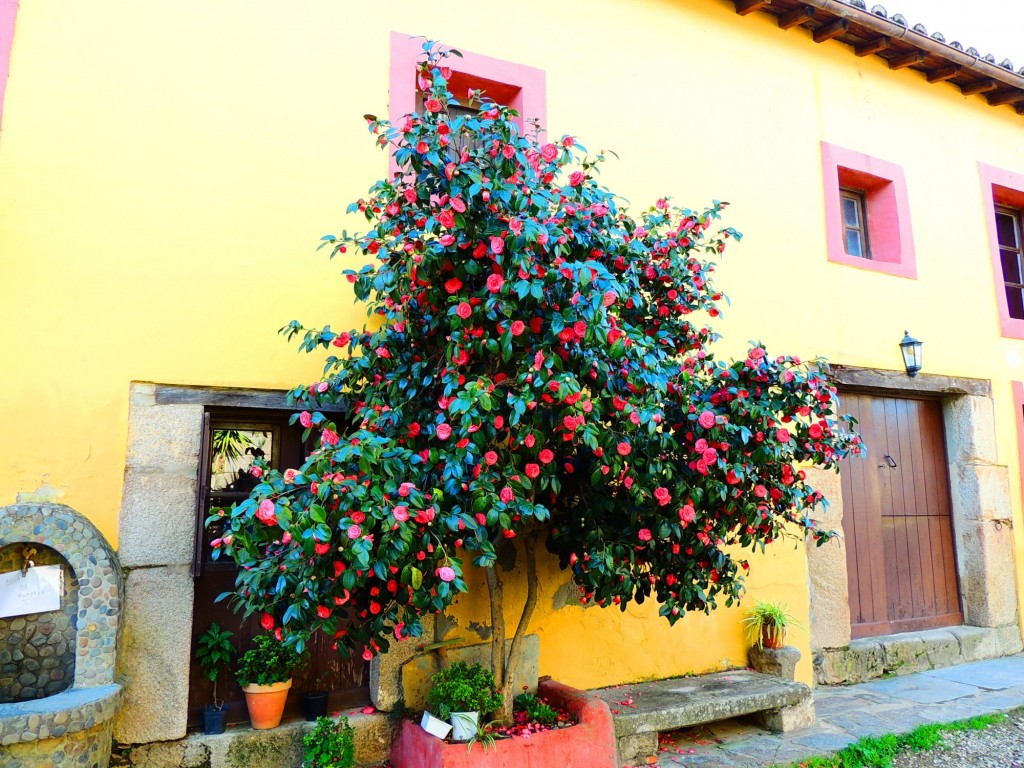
(156,540)
(981,511)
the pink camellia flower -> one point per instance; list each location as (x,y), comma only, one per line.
(323,611)
(401,513)
(491,458)
(518,326)
(306,419)
(662,495)
(549,152)
(529,440)
(782,435)
(814,431)
(446,219)
(322,548)
(329,437)
(458,204)
(256,472)
(286,538)
(494,283)
(546,456)
(687,514)
(532,470)
(432,105)
(444,431)
(464,310)
(446,573)
(706,419)
(568,141)
(453,285)
(506,495)
(367,653)
(354,531)
(576,178)
(644,534)
(289,475)
(538,360)
(497,245)
(405,489)
(399,635)
(265,513)
(760,491)
(623,448)
(267,621)
(609,298)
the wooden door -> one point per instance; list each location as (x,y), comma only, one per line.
(231,441)
(896,519)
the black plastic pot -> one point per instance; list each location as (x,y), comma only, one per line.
(215,720)
(314,705)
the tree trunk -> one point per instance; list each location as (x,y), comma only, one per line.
(504,667)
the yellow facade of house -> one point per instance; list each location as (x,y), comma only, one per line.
(167,168)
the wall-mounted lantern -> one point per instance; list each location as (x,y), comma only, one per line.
(913,354)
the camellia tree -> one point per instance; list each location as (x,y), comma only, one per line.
(537,368)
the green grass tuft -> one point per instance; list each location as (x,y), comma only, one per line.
(879,752)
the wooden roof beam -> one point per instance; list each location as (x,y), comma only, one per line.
(942,74)
(979,86)
(906,60)
(828,31)
(872,46)
(743,7)
(999,98)
(797,17)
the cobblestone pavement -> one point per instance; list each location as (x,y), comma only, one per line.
(848,713)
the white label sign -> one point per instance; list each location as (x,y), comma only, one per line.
(39,590)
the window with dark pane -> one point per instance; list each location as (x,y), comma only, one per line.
(232,441)
(1011,255)
(855,230)
(463,139)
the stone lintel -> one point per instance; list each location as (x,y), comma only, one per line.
(898,381)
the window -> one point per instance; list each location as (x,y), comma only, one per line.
(867,213)
(514,85)
(1008,235)
(1003,204)
(855,231)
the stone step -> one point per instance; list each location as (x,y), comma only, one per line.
(640,711)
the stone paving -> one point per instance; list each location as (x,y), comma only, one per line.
(848,713)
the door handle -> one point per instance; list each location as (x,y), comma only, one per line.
(890,461)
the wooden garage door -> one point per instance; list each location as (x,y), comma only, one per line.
(896,519)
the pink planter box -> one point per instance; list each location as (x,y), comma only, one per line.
(591,744)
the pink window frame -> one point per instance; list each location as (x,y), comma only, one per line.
(890,237)
(1001,187)
(521,87)
(8,10)
(1018,405)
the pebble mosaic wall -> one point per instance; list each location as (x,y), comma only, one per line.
(37,651)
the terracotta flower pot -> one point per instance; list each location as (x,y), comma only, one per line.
(772,636)
(266,704)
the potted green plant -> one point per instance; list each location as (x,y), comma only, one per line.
(461,692)
(314,702)
(331,744)
(265,673)
(215,652)
(766,624)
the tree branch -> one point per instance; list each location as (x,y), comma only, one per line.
(495,591)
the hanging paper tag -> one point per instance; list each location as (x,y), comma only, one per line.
(39,590)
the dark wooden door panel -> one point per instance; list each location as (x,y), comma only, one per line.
(896,518)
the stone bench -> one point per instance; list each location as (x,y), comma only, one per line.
(643,710)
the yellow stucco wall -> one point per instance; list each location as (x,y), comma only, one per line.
(166,168)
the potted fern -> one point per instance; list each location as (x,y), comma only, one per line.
(265,674)
(766,624)
(460,693)
(215,652)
